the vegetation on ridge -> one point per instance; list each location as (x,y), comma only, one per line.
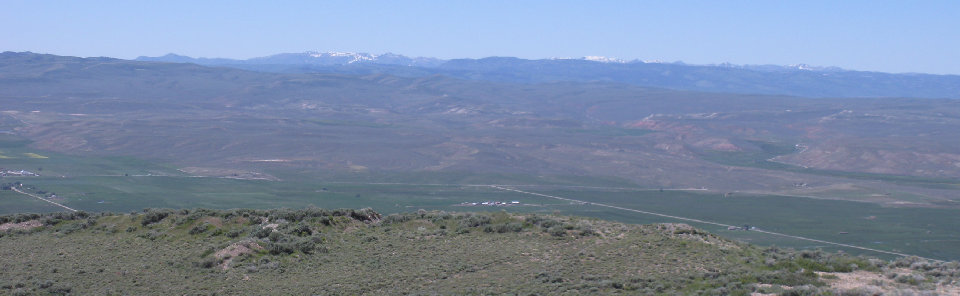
(283,251)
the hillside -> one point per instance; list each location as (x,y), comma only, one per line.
(359,251)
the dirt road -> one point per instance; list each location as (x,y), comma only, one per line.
(14,188)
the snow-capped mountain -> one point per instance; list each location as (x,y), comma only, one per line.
(335,58)
(599,59)
(353,56)
(780,68)
(794,80)
(603,59)
(315,58)
(806,67)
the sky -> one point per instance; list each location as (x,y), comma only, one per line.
(887,36)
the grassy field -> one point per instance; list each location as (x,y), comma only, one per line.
(12,202)
(920,231)
(17,155)
(927,232)
(114,184)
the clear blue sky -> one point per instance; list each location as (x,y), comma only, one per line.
(888,36)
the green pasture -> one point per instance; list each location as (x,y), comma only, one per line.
(126,184)
(927,232)
(12,202)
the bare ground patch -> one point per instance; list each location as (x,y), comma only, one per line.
(26,225)
(236,249)
(215,221)
(876,284)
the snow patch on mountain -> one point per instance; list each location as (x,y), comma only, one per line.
(603,59)
(779,68)
(350,57)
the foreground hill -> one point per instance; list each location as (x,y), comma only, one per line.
(258,252)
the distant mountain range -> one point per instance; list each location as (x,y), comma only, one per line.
(306,58)
(795,80)
(347,58)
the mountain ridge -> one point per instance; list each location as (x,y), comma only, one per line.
(432,62)
(307,57)
(793,80)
